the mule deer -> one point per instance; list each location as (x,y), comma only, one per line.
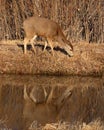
(50,30)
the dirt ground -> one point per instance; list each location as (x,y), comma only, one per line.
(88,60)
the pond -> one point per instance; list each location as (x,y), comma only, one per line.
(49,99)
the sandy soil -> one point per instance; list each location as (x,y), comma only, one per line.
(88,59)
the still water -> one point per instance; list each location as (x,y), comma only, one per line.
(46,99)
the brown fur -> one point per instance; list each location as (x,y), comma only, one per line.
(37,26)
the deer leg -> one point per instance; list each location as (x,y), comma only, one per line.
(35,36)
(50,43)
(32,43)
(45,45)
(26,40)
(33,47)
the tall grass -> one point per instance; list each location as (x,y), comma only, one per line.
(80,19)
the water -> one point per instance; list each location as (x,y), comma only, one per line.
(27,100)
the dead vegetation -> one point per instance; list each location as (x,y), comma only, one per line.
(79,18)
(88,59)
(94,125)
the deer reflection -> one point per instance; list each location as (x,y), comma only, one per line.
(49,99)
(36,107)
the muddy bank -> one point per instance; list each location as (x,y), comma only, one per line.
(88,59)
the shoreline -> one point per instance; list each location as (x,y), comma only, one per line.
(88,60)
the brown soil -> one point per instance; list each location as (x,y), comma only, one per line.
(88,59)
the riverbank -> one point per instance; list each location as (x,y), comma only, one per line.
(88,60)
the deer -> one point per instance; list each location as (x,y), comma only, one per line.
(38,26)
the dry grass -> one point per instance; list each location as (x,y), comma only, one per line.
(94,125)
(11,42)
(3,125)
(79,18)
(88,59)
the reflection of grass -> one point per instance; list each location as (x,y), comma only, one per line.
(3,125)
(94,125)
